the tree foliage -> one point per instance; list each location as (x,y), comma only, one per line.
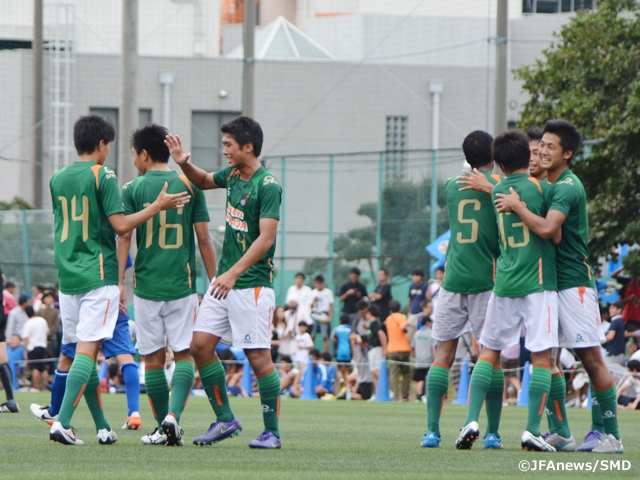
(591,77)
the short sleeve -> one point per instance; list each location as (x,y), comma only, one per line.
(200,211)
(127,199)
(270,198)
(220,177)
(330,296)
(565,195)
(109,192)
(343,289)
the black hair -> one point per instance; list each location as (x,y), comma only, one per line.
(319,278)
(355,270)
(113,370)
(226,355)
(384,270)
(511,150)
(326,356)
(30,311)
(374,310)
(440,269)
(302,323)
(285,359)
(618,305)
(315,353)
(394,306)
(634,365)
(48,293)
(9,284)
(534,134)
(245,130)
(361,304)
(300,274)
(40,287)
(418,271)
(477,148)
(570,136)
(426,319)
(89,130)
(151,138)
(345,319)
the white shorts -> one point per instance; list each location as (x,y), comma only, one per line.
(157,321)
(374,355)
(245,317)
(90,316)
(505,316)
(454,312)
(579,318)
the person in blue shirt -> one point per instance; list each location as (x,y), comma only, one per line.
(322,381)
(417,294)
(332,371)
(615,335)
(342,346)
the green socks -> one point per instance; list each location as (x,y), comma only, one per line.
(437,386)
(539,387)
(94,401)
(158,391)
(556,409)
(269,386)
(213,379)
(597,422)
(82,370)
(478,388)
(608,406)
(181,384)
(494,400)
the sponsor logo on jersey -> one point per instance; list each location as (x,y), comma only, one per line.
(607,414)
(566,181)
(269,179)
(235,218)
(267,409)
(579,338)
(247,339)
(110,173)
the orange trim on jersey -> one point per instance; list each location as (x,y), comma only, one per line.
(493,260)
(558,412)
(271,272)
(195,315)
(256,292)
(153,410)
(541,365)
(101,267)
(75,404)
(539,269)
(267,373)
(96,173)
(237,172)
(496,177)
(535,182)
(106,313)
(189,274)
(587,265)
(544,398)
(581,291)
(278,407)
(439,364)
(186,182)
(99,397)
(216,392)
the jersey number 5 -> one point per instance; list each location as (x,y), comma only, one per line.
(474,223)
(83,217)
(162,233)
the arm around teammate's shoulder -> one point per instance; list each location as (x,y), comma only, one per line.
(545,227)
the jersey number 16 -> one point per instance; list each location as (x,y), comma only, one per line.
(162,233)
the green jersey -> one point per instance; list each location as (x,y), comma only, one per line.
(527,263)
(247,203)
(473,246)
(165,267)
(570,199)
(84,195)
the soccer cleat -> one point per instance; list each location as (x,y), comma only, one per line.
(535,444)
(154,438)
(591,441)
(134,422)
(492,440)
(266,440)
(42,413)
(107,437)
(66,436)
(218,431)
(468,434)
(609,444)
(173,431)
(561,444)
(10,406)
(430,440)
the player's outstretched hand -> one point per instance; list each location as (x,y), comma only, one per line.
(507,203)
(222,285)
(174,142)
(474,180)
(169,201)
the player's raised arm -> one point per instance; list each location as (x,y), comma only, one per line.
(545,227)
(199,177)
(205,244)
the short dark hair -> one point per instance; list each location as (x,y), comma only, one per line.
(302,323)
(326,356)
(300,274)
(49,293)
(355,270)
(9,284)
(345,319)
(441,269)
(394,306)
(511,150)
(384,270)
(30,312)
(618,305)
(418,271)
(534,134)
(634,365)
(245,130)
(285,359)
(151,138)
(315,353)
(362,304)
(89,130)
(570,136)
(374,310)
(477,148)
(318,278)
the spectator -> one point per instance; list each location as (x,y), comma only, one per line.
(284,335)
(289,378)
(629,388)
(351,292)
(434,286)
(332,371)
(234,371)
(607,290)
(615,337)
(424,350)
(321,311)
(360,382)
(8,297)
(630,300)
(342,347)
(398,352)
(360,319)
(382,294)
(377,343)
(15,325)
(34,337)
(417,294)
(568,362)
(304,345)
(301,294)
(51,314)
(38,291)
(510,363)
(466,349)
(291,315)
(322,381)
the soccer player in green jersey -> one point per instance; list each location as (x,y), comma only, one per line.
(165,298)
(88,213)
(578,309)
(524,293)
(466,288)
(241,301)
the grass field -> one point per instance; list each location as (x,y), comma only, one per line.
(320,440)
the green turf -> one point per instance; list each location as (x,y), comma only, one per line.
(320,440)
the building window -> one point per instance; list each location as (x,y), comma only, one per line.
(556,6)
(396,151)
(144,116)
(206,139)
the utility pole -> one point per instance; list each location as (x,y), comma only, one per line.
(249,60)
(129,95)
(435,88)
(500,105)
(38,104)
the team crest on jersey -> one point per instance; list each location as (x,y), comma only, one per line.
(110,173)
(269,179)
(566,181)
(245,199)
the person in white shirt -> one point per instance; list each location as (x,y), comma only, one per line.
(283,327)
(321,311)
(34,336)
(301,294)
(304,345)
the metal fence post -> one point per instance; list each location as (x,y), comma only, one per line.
(25,253)
(283,226)
(379,213)
(330,265)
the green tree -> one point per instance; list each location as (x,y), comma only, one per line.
(591,77)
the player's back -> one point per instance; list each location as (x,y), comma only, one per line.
(473,246)
(165,263)
(527,262)
(84,195)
